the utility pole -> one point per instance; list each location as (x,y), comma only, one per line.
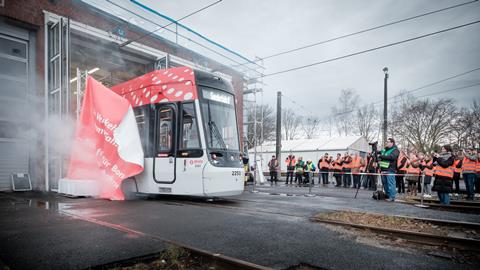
(279,127)
(255,169)
(385,71)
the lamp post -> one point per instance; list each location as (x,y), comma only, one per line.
(385,70)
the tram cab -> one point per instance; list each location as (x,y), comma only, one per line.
(188,127)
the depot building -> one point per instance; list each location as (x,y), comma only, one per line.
(47,47)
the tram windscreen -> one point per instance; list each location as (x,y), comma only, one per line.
(218,110)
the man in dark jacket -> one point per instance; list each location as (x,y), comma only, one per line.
(388,166)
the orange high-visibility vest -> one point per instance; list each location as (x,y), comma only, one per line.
(412,170)
(469,165)
(445,172)
(399,160)
(336,165)
(347,165)
(455,169)
(427,171)
(323,163)
(292,161)
(356,162)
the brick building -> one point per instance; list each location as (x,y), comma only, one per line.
(46,48)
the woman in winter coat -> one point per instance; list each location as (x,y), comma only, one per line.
(443,172)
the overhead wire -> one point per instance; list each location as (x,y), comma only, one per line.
(426,95)
(360,32)
(370,50)
(167,25)
(431,84)
(187,38)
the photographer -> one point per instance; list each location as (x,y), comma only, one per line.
(388,165)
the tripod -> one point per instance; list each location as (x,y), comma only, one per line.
(367,169)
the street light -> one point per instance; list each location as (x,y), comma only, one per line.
(385,70)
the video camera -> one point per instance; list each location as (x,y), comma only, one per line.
(374,146)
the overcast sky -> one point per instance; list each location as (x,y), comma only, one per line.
(261,28)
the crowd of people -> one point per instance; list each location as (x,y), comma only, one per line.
(402,172)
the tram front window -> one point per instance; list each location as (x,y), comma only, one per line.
(218,110)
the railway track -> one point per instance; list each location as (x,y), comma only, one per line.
(412,236)
(452,202)
(464,208)
(418,237)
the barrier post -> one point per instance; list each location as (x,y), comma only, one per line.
(421,196)
(310,176)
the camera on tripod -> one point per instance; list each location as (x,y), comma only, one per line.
(374,146)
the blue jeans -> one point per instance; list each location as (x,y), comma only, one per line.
(388,182)
(470,179)
(444,198)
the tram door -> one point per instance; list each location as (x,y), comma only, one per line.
(165,144)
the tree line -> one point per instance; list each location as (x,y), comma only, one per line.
(421,124)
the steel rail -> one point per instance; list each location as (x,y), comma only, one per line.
(450,207)
(417,237)
(452,202)
(218,258)
(224,260)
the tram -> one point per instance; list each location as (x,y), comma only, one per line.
(188,127)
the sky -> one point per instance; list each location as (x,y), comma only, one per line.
(255,28)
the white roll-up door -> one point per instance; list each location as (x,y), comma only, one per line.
(13,108)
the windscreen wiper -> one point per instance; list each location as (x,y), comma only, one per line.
(214,130)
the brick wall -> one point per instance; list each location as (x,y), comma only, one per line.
(29,14)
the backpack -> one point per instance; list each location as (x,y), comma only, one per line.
(379,195)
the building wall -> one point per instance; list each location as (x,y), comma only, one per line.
(29,14)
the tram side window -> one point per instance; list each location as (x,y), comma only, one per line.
(190,137)
(165,130)
(142,128)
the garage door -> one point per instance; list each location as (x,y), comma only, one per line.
(13,108)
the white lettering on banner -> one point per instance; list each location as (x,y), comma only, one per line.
(105,121)
(100,130)
(117,171)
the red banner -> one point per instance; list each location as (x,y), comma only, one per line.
(107,147)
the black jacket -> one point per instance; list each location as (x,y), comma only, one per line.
(443,184)
(392,158)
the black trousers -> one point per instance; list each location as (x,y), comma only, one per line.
(306,180)
(347,178)
(400,183)
(298,177)
(289,176)
(324,177)
(456,181)
(273,176)
(372,181)
(477,184)
(338,179)
(356,180)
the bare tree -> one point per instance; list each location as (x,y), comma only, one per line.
(367,121)
(268,120)
(310,126)
(290,124)
(424,124)
(344,110)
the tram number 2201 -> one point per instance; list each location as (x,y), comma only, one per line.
(236,173)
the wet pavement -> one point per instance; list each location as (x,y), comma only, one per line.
(47,231)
